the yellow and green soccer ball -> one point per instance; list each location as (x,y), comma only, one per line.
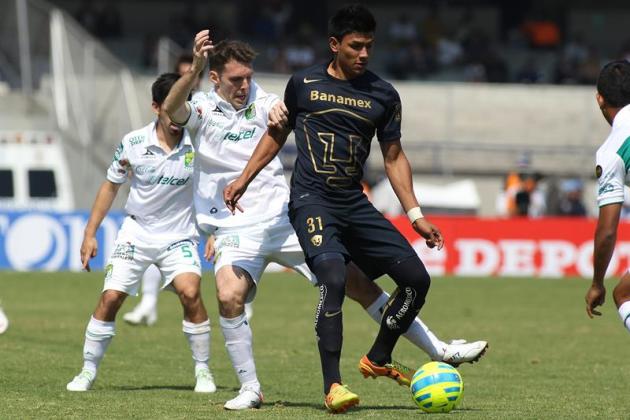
(437,387)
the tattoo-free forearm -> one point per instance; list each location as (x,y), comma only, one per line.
(175,102)
(268,148)
(605,240)
(399,173)
(103,202)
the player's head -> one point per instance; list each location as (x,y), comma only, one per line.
(231,71)
(351,36)
(183,64)
(159,92)
(613,88)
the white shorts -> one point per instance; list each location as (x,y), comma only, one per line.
(253,247)
(131,257)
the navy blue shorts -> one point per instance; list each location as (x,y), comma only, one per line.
(358,231)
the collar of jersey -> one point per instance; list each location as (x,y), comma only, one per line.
(254,93)
(622,117)
(153,140)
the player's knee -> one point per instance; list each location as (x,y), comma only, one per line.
(189,296)
(621,293)
(111,301)
(412,273)
(330,270)
(230,300)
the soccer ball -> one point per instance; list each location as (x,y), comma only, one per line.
(437,387)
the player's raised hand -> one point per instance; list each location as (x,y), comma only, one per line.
(203,45)
(232,193)
(429,232)
(89,249)
(595,296)
(278,116)
(208,252)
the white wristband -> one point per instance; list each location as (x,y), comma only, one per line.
(414,214)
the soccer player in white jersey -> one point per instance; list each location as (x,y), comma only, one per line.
(612,166)
(227,125)
(159,229)
(145,312)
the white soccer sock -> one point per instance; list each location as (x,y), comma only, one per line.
(238,342)
(150,290)
(98,335)
(198,336)
(418,333)
(624,312)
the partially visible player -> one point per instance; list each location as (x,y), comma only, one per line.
(4,321)
(335,109)
(159,229)
(612,167)
(145,312)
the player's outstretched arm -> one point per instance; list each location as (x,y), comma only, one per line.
(605,239)
(103,202)
(268,147)
(398,171)
(175,103)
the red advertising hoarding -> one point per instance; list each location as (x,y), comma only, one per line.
(549,247)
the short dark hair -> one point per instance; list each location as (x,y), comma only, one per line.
(162,85)
(228,50)
(184,58)
(613,83)
(349,19)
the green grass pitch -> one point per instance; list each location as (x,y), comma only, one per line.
(546,358)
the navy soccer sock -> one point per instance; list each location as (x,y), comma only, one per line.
(330,270)
(413,282)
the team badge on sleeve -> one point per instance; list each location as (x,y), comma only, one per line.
(250,112)
(189,159)
(598,171)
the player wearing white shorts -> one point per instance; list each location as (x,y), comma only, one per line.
(159,229)
(612,168)
(228,123)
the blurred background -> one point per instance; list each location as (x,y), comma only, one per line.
(500,122)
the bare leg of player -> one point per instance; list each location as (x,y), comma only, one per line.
(621,295)
(146,311)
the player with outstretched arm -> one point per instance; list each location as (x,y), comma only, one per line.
(335,109)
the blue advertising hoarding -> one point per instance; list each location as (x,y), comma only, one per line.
(51,241)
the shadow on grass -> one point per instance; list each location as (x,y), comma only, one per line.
(165,387)
(320,406)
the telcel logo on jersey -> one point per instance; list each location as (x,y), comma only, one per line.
(241,135)
(168,180)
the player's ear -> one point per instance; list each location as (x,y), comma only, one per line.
(214,77)
(601,102)
(334,44)
(155,107)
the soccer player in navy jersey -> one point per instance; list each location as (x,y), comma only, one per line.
(335,109)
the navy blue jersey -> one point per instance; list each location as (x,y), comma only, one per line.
(334,122)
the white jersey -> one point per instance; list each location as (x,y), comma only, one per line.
(613,160)
(160,198)
(224,140)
